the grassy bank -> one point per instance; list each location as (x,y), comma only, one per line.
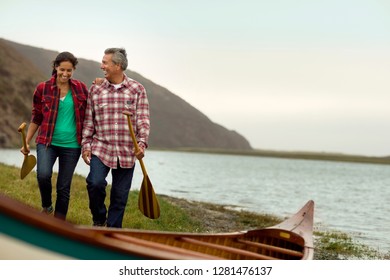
(181,215)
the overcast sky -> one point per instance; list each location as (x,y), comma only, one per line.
(302,75)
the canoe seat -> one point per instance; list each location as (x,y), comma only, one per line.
(163,247)
(272,248)
(228,249)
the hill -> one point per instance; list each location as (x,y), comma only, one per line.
(174,122)
(18,78)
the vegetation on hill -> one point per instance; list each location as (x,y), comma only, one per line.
(18,78)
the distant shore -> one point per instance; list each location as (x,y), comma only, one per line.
(292,155)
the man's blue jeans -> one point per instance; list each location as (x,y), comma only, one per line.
(96,186)
(67,161)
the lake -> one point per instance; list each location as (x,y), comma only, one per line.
(350,197)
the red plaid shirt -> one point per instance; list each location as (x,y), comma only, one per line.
(106,133)
(45,108)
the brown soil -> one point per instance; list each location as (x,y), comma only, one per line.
(221,218)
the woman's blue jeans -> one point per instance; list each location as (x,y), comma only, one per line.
(96,186)
(67,161)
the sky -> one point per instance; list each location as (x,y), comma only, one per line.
(302,75)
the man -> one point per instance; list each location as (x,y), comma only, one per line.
(107,144)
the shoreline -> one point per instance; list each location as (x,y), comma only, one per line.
(328,244)
(338,157)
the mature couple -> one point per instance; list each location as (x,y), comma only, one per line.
(71,121)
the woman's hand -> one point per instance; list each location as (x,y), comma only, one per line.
(25,151)
(98,81)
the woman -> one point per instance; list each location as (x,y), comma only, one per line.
(57,114)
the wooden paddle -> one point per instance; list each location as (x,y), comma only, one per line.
(29,160)
(147,199)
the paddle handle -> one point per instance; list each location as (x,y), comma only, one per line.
(128,114)
(21,130)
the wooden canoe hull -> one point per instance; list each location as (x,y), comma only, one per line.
(51,238)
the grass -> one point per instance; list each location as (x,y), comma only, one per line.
(181,216)
(172,218)
(337,245)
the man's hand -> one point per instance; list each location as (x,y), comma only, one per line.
(141,152)
(87,157)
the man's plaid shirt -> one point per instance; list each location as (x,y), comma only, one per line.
(106,133)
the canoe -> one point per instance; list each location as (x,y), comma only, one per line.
(25,233)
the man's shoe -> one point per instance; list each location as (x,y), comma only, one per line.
(99,224)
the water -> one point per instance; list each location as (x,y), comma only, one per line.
(352,198)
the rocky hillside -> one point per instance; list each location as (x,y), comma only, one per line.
(18,78)
(174,122)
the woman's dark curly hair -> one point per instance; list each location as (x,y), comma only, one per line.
(64,56)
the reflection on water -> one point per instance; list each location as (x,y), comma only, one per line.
(349,197)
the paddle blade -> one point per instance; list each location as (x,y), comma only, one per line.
(28,165)
(147,200)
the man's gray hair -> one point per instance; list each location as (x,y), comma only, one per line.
(119,56)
